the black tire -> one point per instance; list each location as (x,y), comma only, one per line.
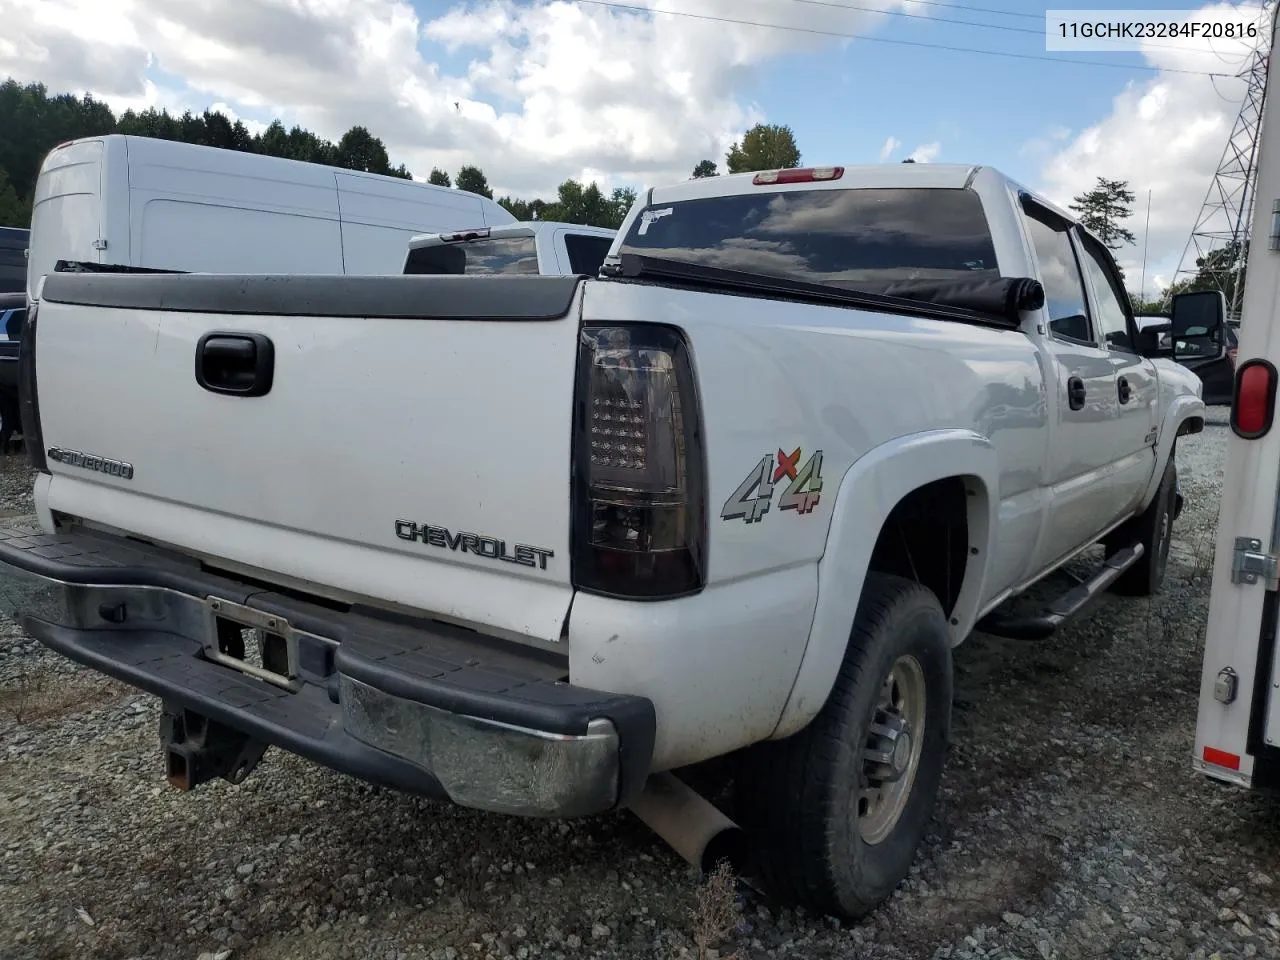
(1153,528)
(799,798)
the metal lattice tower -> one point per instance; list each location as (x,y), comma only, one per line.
(1226,216)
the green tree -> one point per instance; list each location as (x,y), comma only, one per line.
(705,168)
(524,210)
(473,180)
(14,212)
(764,147)
(439,178)
(1221,269)
(587,204)
(360,150)
(1103,210)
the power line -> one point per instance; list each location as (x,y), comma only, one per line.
(965,6)
(985,26)
(918,16)
(902,43)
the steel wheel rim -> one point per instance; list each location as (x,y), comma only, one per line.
(1166,536)
(892,750)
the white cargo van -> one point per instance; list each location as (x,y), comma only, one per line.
(528,247)
(140,202)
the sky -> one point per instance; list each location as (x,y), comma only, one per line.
(623,93)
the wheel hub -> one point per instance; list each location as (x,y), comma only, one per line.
(891,752)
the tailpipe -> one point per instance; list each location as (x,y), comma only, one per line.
(690,824)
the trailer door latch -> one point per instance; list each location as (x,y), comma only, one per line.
(1249,564)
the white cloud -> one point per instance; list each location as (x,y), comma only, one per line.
(890,145)
(550,88)
(926,153)
(1165,135)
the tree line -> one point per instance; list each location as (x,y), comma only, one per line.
(34,121)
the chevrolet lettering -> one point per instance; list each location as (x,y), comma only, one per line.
(488,547)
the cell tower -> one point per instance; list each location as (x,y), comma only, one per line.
(1217,241)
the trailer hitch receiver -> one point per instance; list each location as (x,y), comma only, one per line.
(197,749)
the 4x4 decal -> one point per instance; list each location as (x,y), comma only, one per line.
(754,496)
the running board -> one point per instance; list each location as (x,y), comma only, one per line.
(1066,606)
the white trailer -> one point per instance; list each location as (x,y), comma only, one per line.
(1238,723)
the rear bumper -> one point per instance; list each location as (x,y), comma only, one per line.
(418,706)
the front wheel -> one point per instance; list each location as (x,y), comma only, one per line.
(837,811)
(1153,528)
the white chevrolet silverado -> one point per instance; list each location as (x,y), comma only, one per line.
(739,495)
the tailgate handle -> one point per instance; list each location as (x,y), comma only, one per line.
(236,364)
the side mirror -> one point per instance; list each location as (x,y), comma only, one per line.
(1155,339)
(1198,320)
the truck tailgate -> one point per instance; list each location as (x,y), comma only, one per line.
(413,445)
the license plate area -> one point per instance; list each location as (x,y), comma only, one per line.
(260,644)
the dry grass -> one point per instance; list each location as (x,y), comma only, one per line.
(716,911)
(47,697)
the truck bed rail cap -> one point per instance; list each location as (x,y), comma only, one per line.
(379,297)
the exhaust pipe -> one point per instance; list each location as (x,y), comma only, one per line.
(689,823)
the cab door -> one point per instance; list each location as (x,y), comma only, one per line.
(1137,387)
(1080,499)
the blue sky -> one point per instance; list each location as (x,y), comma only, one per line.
(537,91)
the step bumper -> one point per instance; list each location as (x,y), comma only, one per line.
(419,706)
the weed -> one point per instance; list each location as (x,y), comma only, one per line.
(716,911)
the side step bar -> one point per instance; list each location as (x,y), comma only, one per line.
(1066,606)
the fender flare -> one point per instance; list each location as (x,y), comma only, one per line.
(872,486)
(1181,410)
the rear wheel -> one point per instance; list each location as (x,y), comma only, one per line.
(837,811)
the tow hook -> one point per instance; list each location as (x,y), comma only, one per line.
(197,749)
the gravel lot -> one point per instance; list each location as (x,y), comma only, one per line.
(1071,825)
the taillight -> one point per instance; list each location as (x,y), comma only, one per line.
(1253,406)
(797,175)
(639,529)
(28,398)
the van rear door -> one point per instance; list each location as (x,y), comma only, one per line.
(66,219)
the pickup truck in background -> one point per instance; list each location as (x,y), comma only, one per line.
(737,497)
(515,249)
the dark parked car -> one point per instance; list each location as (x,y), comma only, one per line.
(13,315)
(13,259)
(1213,362)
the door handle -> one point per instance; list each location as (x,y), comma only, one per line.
(235,364)
(1075,393)
(1122,388)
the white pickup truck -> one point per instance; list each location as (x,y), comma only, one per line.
(739,495)
(528,247)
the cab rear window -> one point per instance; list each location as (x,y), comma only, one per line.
(499,255)
(866,239)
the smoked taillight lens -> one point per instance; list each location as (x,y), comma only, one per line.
(639,476)
(1253,406)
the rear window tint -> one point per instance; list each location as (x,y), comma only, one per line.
(861,239)
(503,255)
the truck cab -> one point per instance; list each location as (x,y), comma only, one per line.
(532,247)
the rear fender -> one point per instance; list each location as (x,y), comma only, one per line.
(869,491)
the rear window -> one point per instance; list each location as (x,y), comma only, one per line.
(505,255)
(862,239)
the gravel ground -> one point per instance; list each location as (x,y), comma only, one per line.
(1070,825)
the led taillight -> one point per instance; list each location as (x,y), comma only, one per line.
(639,489)
(1253,406)
(797,175)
